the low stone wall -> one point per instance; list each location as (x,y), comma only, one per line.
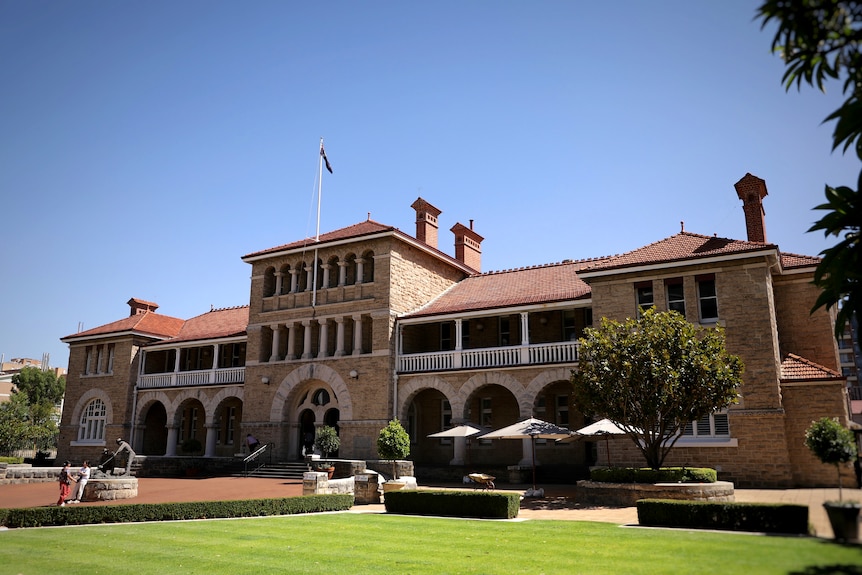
(25,473)
(627,494)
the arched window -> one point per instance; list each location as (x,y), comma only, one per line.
(285,279)
(269,282)
(333,272)
(320,397)
(93,418)
(368,267)
(350,271)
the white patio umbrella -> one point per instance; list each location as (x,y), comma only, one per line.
(531,429)
(603,428)
(464,431)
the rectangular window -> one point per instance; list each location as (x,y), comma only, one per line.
(707,299)
(110,358)
(88,364)
(645,296)
(569,333)
(231,425)
(99,352)
(715,425)
(675,296)
(445,336)
(504,331)
(563,410)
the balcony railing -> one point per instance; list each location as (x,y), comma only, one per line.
(539,353)
(191,378)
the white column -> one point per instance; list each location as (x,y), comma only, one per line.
(173,434)
(306,343)
(359,269)
(176,367)
(276,342)
(357,334)
(460,451)
(339,336)
(342,273)
(309,278)
(527,452)
(279,280)
(459,334)
(291,341)
(294,279)
(525,328)
(326,268)
(212,433)
(322,349)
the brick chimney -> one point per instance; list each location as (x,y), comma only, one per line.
(140,306)
(468,246)
(426,222)
(751,190)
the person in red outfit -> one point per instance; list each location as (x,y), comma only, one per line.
(65,480)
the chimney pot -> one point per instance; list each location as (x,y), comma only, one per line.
(426,222)
(751,190)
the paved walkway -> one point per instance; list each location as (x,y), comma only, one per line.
(558,502)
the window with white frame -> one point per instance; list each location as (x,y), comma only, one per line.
(675,295)
(644,296)
(92,427)
(707,299)
(709,427)
(110,368)
(99,353)
(88,363)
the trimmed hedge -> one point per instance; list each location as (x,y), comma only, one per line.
(480,504)
(138,512)
(647,475)
(758,517)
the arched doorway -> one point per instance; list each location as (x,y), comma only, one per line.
(155,438)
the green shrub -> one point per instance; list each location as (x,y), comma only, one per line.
(454,503)
(138,512)
(9,459)
(647,475)
(758,517)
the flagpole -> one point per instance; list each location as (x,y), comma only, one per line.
(317,232)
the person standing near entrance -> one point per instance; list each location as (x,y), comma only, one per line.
(65,480)
(83,478)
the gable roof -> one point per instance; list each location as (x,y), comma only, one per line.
(677,248)
(147,323)
(523,286)
(216,323)
(796,368)
(368,227)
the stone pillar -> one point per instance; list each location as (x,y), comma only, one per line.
(315,483)
(527,452)
(309,278)
(357,334)
(276,342)
(326,268)
(294,280)
(215,356)
(460,451)
(322,348)
(306,343)
(360,263)
(342,273)
(339,336)
(291,341)
(366,489)
(525,328)
(210,442)
(279,281)
(459,334)
(173,434)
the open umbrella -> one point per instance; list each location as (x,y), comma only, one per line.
(465,431)
(603,428)
(531,429)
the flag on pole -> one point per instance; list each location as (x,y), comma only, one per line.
(325,159)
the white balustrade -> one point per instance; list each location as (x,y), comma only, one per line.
(191,378)
(563,352)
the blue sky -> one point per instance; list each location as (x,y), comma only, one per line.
(145,147)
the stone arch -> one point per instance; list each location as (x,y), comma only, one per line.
(148,399)
(289,384)
(541,381)
(211,406)
(368,266)
(409,391)
(269,281)
(515,387)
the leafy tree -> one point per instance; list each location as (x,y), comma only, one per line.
(326,440)
(14,424)
(42,391)
(819,40)
(653,376)
(831,443)
(393,443)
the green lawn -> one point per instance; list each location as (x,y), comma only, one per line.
(345,543)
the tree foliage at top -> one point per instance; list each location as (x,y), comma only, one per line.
(831,443)
(40,387)
(653,376)
(393,443)
(819,40)
(40,393)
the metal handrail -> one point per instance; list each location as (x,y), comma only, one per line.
(257,456)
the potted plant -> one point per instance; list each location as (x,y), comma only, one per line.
(326,440)
(833,444)
(393,443)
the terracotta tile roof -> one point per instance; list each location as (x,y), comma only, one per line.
(791,261)
(148,323)
(365,228)
(538,284)
(679,247)
(795,368)
(225,322)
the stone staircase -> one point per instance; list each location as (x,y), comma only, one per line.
(281,470)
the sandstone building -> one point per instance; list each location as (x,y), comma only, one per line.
(371,323)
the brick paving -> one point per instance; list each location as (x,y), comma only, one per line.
(558,502)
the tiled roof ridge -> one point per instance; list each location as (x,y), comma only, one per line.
(566,262)
(310,241)
(218,309)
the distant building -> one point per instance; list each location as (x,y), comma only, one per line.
(371,323)
(8,369)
